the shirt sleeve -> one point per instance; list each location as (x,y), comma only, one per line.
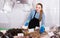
(28,19)
(43,19)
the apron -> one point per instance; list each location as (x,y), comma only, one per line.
(33,22)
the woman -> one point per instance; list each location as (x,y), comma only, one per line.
(35,17)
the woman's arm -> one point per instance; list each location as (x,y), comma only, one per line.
(28,19)
(43,19)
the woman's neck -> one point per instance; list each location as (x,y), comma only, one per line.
(38,11)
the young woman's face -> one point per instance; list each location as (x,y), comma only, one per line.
(38,8)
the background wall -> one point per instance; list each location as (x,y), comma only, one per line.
(18,15)
(51,9)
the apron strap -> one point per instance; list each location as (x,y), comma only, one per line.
(35,13)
